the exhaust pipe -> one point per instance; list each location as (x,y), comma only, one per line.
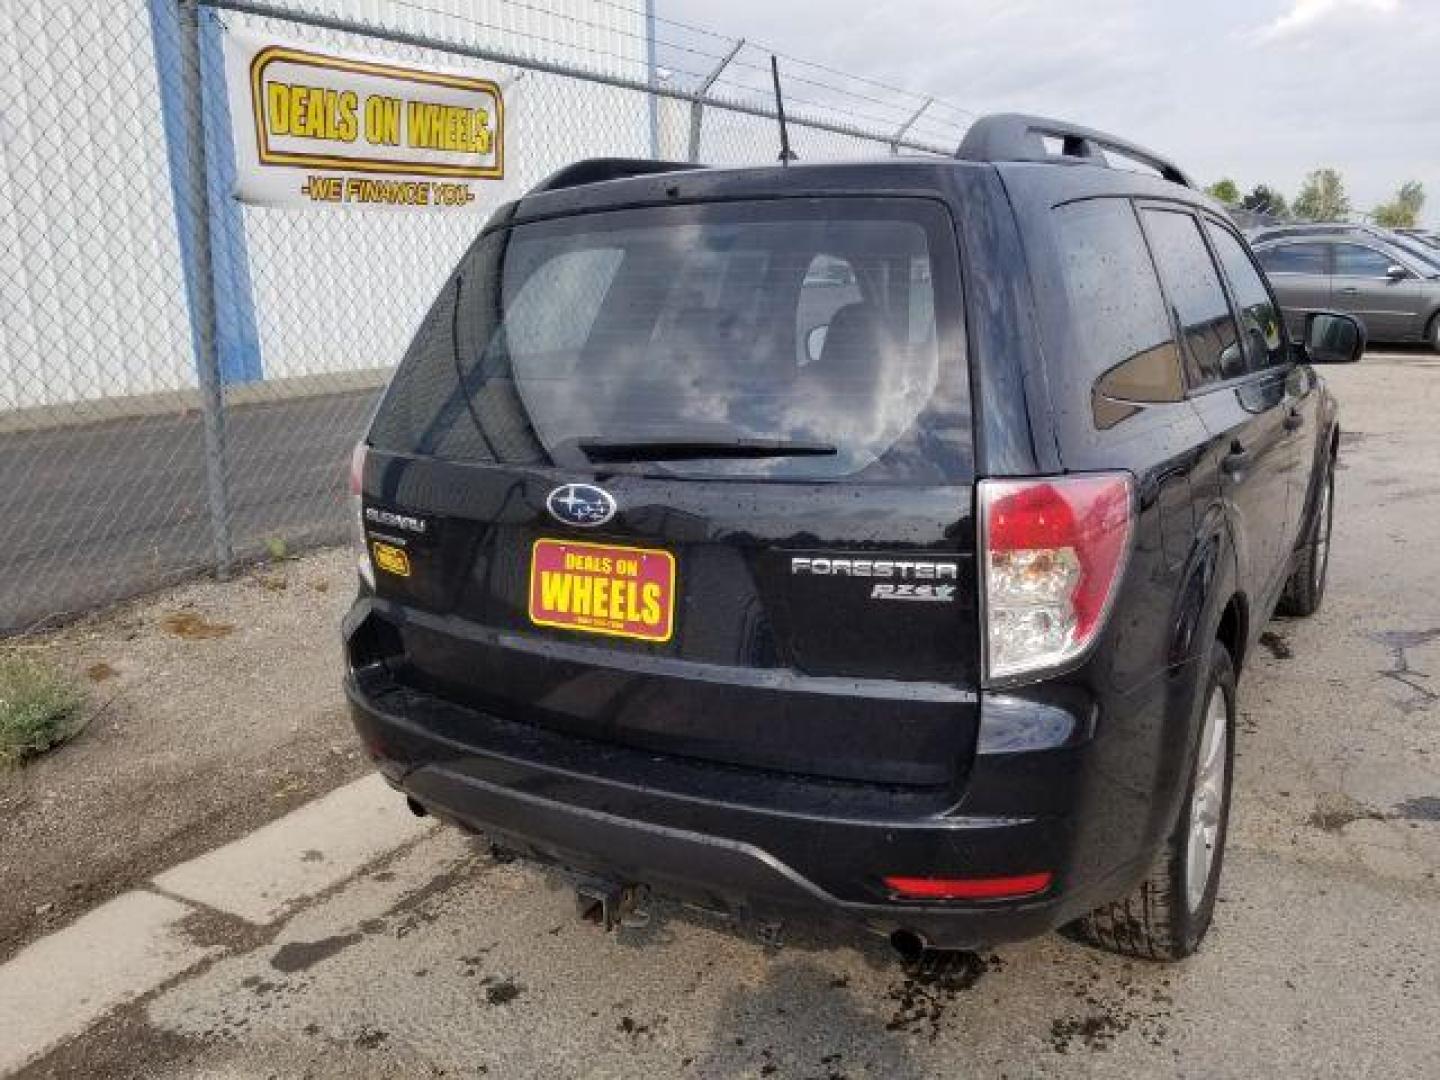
(910,945)
(415,807)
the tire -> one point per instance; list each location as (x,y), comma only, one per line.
(1165,918)
(1433,334)
(1305,588)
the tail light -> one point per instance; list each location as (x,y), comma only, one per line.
(357,515)
(1053,553)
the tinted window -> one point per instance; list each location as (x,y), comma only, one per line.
(1352,260)
(1196,297)
(685,326)
(1293,259)
(1123,339)
(1259,320)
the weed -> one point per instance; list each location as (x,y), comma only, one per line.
(39,709)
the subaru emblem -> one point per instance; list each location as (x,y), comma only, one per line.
(581,504)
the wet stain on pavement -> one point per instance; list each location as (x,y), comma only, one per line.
(299,955)
(1277,645)
(1111,1011)
(1420,808)
(503,992)
(371,1038)
(932,983)
(1094,1032)
(1399,642)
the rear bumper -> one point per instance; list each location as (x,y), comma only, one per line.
(758,844)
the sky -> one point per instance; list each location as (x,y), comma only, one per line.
(1260,91)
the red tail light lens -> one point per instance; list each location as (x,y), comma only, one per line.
(1053,550)
(996,888)
(357,515)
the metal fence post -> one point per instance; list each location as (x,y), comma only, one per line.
(904,129)
(697,105)
(212,388)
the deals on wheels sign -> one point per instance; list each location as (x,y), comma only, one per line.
(319,128)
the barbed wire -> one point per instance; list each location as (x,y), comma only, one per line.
(913,94)
(931,126)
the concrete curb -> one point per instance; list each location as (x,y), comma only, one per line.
(58,986)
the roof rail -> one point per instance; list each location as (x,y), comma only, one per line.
(595,170)
(1017,137)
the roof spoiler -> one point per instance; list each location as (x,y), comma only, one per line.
(596,170)
(1017,137)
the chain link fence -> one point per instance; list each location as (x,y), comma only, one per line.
(182,376)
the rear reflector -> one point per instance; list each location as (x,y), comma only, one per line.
(995,888)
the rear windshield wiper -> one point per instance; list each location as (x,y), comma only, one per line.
(621,450)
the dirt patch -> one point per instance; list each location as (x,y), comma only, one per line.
(195,627)
(1334,810)
(203,739)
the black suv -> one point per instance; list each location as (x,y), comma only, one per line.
(877,541)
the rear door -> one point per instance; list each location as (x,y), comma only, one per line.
(1268,359)
(1246,459)
(1361,285)
(698,479)
(1299,272)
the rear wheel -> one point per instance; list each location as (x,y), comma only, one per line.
(1306,587)
(1433,334)
(1167,915)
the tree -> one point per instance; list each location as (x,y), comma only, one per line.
(1403,211)
(1225,191)
(1322,197)
(1263,199)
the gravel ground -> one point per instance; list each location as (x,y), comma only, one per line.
(213,708)
(1324,959)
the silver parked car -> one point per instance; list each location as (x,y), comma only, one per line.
(1393,290)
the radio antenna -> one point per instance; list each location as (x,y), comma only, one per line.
(786,154)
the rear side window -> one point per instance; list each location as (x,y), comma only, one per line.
(1293,259)
(1353,260)
(815,339)
(1259,320)
(1123,340)
(1197,299)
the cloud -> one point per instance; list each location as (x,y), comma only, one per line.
(1304,14)
(1351,84)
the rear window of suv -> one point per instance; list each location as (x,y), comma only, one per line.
(786,339)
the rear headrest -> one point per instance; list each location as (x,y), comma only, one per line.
(855,344)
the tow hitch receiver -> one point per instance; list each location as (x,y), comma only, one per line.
(610,904)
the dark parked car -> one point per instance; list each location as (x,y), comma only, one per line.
(915,602)
(1392,286)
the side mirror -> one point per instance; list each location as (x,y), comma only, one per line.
(815,342)
(1331,338)
(1396,272)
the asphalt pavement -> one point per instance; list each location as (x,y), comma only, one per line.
(100,512)
(349,940)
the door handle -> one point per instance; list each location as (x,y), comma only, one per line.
(1233,463)
(1350,290)
(1294,420)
